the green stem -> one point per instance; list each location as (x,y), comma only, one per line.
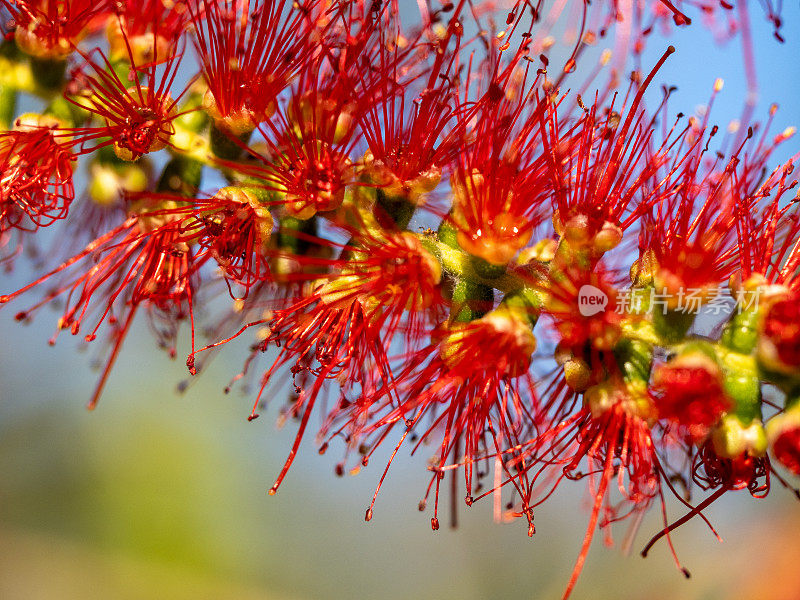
(223,145)
(393,211)
(743,384)
(459,263)
(526,302)
(635,359)
(182,175)
(741,333)
(672,325)
(470,301)
(8,105)
(48,74)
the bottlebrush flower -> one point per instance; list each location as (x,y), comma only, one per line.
(692,234)
(474,390)
(315,167)
(145,29)
(234,227)
(688,390)
(355,121)
(417,127)
(499,178)
(601,168)
(250,52)
(138,118)
(341,327)
(145,261)
(498,193)
(50,28)
(35,174)
(767,229)
(307,165)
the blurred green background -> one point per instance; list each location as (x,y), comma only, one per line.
(160,495)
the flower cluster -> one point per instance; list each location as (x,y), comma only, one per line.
(426,233)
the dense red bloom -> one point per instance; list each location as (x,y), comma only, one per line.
(717,212)
(138,118)
(385,279)
(786,449)
(417,127)
(473,389)
(331,124)
(250,52)
(35,178)
(50,28)
(689,391)
(601,168)
(781,330)
(499,177)
(341,327)
(144,261)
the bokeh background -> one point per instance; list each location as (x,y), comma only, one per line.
(162,495)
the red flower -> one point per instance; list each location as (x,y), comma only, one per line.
(583,305)
(417,127)
(146,29)
(783,433)
(234,227)
(499,186)
(50,28)
(310,139)
(35,177)
(601,168)
(779,344)
(250,52)
(692,236)
(473,389)
(767,226)
(609,438)
(354,124)
(712,471)
(786,449)
(688,390)
(143,262)
(138,118)
(341,327)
